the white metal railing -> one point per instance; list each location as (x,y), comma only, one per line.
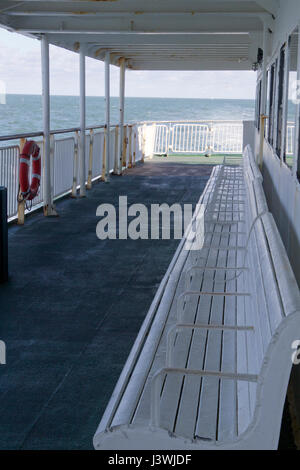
(9,170)
(189,138)
(140,140)
(199,137)
(64,159)
(63,165)
(204,137)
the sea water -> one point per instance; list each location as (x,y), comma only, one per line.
(23,113)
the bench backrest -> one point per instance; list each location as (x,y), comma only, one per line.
(274,296)
(250,165)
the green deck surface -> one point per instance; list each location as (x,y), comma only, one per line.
(199,159)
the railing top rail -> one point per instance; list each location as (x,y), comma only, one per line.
(186,121)
(56,131)
(102,126)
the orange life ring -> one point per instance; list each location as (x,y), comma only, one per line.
(30,149)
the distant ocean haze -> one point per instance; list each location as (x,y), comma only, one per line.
(23,113)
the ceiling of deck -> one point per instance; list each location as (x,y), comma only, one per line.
(151,35)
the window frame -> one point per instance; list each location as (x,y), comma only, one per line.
(280,78)
(271,101)
(288,63)
(258,103)
(280,102)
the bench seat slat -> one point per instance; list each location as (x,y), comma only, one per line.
(210,390)
(184,350)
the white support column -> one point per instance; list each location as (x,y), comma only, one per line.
(121,121)
(82,122)
(107,115)
(48,203)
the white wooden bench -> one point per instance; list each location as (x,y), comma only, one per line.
(211,364)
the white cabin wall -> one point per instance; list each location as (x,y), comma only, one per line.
(281,185)
(287,19)
(283,195)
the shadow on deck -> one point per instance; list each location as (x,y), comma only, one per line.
(74,305)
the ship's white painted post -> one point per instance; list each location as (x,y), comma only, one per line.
(48,203)
(75,168)
(82,121)
(107,114)
(121,119)
(21,202)
(116,158)
(90,171)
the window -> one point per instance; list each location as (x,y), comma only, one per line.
(267,103)
(280,94)
(271,103)
(290,144)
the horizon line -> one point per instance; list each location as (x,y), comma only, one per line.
(136,97)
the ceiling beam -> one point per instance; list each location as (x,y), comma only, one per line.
(191,65)
(139,6)
(48,11)
(159,35)
(141,24)
(111,40)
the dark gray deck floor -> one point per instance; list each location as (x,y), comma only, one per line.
(74,305)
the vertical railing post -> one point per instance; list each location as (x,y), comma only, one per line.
(154,129)
(3,236)
(103,155)
(75,168)
(134,145)
(121,118)
(52,165)
(107,115)
(171,139)
(21,202)
(116,159)
(210,139)
(48,203)
(124,151)
(90,173)
(130,147)
(143,142)
(82,121)
(168,138)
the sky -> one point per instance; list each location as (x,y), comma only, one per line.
(20,72)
